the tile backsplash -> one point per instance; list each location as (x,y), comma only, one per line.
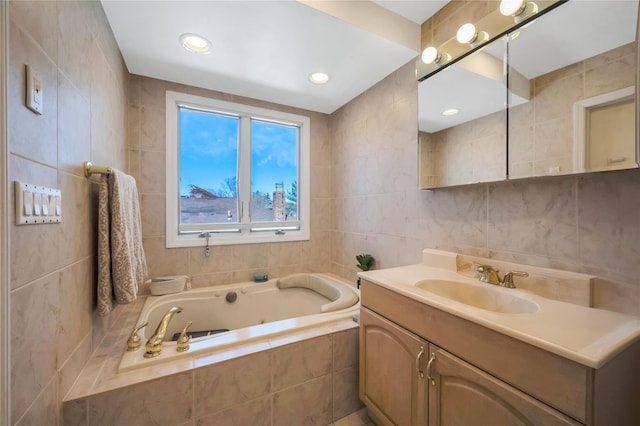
(583,223)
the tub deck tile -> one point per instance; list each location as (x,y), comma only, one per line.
(228,354)
(100,381)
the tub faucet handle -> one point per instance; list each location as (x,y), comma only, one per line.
(183,340)
(133,344)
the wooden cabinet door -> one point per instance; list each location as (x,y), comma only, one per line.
(464,395)
(391,362)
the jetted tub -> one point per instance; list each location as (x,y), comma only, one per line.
(260,311)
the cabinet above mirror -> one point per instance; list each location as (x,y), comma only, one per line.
(562,100)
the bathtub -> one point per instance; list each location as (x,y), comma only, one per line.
(259,312)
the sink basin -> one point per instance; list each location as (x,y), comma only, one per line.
(486,298)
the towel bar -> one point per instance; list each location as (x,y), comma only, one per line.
(90,169)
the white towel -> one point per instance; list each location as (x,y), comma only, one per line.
(121,262)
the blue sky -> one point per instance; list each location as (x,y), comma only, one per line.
(209,150)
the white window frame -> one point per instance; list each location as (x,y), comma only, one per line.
(174,100)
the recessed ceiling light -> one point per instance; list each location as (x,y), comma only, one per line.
(450,111)
(319,78)
(195,43)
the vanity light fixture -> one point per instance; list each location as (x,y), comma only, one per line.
(319,78)
(430,55)
(509,16)
(519,9)
(450,111)
(195,43)
(467,34)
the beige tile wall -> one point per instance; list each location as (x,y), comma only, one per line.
(584,223)
(226,264)
(311,382)
(53,327)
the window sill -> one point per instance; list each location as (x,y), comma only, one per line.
(223,240)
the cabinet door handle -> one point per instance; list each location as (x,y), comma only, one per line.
(432,358)
(418,357)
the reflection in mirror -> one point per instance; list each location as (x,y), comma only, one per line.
(462,120)
(580,61)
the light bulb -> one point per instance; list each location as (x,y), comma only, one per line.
(430,55)
(512,7)
(466,34)
(450,111)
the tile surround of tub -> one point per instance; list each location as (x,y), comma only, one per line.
(223,385)
(53,325)
(305,378)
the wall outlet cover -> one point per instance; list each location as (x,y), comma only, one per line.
(34,97)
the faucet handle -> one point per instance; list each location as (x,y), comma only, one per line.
(183,340)
(508,278)
(133,343)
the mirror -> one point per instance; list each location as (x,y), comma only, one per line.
(571,101)
(461,140)
(580,61)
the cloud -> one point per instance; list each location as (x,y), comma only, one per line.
(274,142)
(265,160)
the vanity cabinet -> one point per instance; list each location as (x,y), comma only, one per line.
(423,366)
(390,385)
(404,380)
(461,394)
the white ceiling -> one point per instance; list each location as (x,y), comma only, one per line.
(416,11)
(267,49)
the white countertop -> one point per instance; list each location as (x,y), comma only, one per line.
(585,335)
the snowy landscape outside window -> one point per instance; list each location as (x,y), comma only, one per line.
(235,171)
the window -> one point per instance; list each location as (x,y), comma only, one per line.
(240,173)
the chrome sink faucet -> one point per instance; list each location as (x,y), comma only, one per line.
(154,344)
(490,276)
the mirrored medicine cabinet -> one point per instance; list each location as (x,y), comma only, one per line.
(555,96)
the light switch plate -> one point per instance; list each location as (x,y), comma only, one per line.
(34,95)
(34,204)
